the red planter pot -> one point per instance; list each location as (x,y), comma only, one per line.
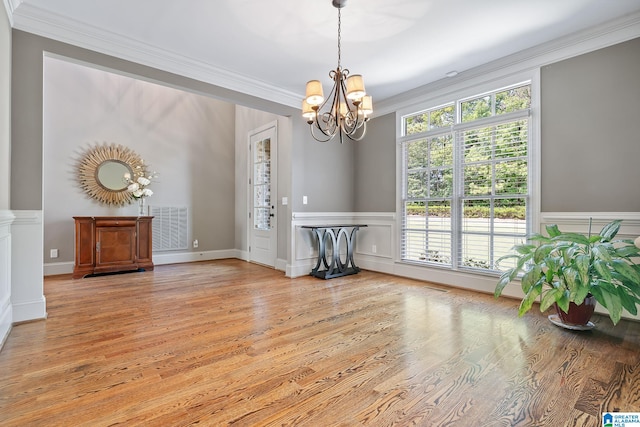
(578,315)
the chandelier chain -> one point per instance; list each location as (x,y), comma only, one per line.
(339,37)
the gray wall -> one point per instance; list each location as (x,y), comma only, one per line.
(591,131)
(326,192)
(187,138)
(26,107)
(590,138)
(323,172)
(375,167)
(5,108)
(589,135)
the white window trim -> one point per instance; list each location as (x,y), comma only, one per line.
(446,96)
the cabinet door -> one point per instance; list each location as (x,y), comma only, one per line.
(115,248)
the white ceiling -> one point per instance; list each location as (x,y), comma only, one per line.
(270,48)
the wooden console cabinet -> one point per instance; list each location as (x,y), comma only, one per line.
(108,244)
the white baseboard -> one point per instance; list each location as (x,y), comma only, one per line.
(6,321)
(52,269)
(301,268)
(457,279)
(243,255)
(281,264)
(56,268)
(182,257)
(31,310)
(375,263)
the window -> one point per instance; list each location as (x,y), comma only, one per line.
(465,174)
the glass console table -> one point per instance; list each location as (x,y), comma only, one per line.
(336,236)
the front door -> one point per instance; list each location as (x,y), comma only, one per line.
(263,244)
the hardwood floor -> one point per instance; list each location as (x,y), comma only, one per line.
(228,342)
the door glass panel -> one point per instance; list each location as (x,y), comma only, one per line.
(262,185)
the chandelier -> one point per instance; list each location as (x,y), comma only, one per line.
(347,108)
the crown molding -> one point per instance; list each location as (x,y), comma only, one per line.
(57,27)
(8,7)
(607,34)
(11,6)
(54,26)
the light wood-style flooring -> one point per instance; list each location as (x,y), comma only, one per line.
(233,343)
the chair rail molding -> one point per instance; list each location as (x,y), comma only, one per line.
(382,233)
(579,221)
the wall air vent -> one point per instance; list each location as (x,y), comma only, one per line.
(170,228)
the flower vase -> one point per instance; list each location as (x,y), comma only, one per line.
(141,207)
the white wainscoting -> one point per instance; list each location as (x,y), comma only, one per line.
(578,222)
(6,310)
(27,272)
(379,233)
(382,233)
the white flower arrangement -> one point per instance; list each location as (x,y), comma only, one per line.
(138,187)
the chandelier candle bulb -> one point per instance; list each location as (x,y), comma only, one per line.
(307,111)
(343,109)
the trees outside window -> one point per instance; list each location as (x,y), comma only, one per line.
(465,173)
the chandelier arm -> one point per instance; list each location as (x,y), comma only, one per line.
(332,75)
(344,124)
(353,137)
(353,118)
(327,137)
(330,125)
(330,120)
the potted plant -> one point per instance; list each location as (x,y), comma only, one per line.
(565,269)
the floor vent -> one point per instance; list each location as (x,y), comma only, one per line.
(170,228)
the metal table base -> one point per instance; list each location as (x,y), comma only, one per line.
(335,235)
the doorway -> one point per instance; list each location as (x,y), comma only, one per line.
(263,235)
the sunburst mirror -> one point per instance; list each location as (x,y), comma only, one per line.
(103,173)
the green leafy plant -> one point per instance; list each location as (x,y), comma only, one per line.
(566,267)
